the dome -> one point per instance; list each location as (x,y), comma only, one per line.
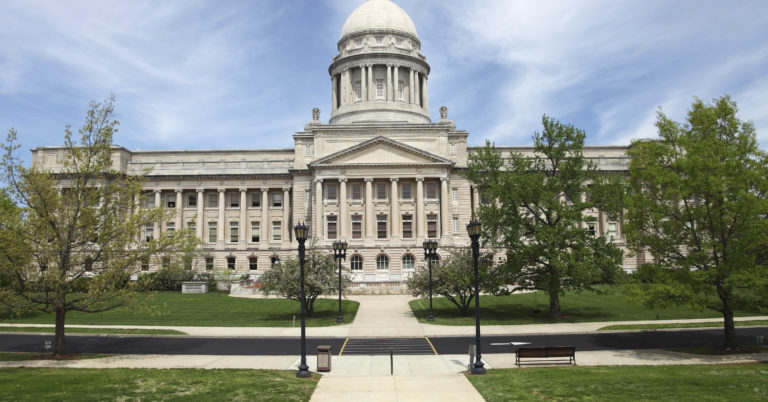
(379,15)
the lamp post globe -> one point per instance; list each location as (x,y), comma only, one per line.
(473,229)
(339,253)
(301,232)
(430,254)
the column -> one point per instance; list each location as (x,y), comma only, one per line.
(200,221)
(389,83)
(444,200)
(264,224)
(475,200)
(318,209)
(334,94)
(158,225)
(371,84)
(410,86)
(416,100)
(419,218)
(220,231)
(363,84)
(424,94)
(243,225)
(369,218)
(394,202)
(178,221)
(344,87)
(343,209)
(396,83)
(286,214)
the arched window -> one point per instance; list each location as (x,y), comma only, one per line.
(408,262)
(356,263)
(382,262)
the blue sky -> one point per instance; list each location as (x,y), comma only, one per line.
(195,74)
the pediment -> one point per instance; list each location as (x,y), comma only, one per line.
(381,151)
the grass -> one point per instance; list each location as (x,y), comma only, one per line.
(702,350)
(709,324)
(620,383)
(20,357)
(118,331)
(211,309)
(533,308)
(145,384)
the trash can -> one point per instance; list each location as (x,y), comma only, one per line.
(324,358)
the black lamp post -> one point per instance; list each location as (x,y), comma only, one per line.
(339,253)
(473,228)
(430,253)
(301,235)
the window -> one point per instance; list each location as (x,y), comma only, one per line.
(405,191)
(400,86)
(149,232)
(407,227)
(209,263)
(330,191)
(277,200)
(213,200)
(307,197)
(381,191)
(612,231)
(165,262)
(255,200)
(331,227)
(146,202)
(192,200)
(379,40)
(380,89)
(357,227)
(455,195)
(453,149)
(277,234)
(307,150)
(274,261)
(591,228)
(212,235)
(191,226)
(145,264)
(356,263)
(255,232)
(88,264)
(455,225)
(381,226)
(233,232)
(358,90)
(170,227)
(432,191)
(253,263)
(357,193)
(234,200)
(409,262)
(382,262)
(170,201)
(432,226)
(231,263)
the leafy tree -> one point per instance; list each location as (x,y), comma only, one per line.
(78,221)
(321,277)
(697,202)
(454,278)
(536,211)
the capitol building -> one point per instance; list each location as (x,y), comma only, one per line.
(380,174)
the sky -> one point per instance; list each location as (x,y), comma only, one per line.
(222,74)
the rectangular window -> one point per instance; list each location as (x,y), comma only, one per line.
(432,226)
(591,228)
(612,232)
(357,227)
(277,231)
(405,191)
(255,200)
(170,201)
(358,90)
(400,86)
(253,263)
(431,191)
(191,226)
(381,191)
(307,150)
(233,232)
(407,227)
(357,192)
(234,200)
(149,232)
(277,200)
(380,89)
(213,200)
(145,264)
(170,227)
(255,232)
(330,191)
(192,200)
(209,263)
(212,235)
(231,263)
(165,262)
(455,195)
(455,225)
(147,202)
(331,227)
(381,226)
(307,197)
(453,149)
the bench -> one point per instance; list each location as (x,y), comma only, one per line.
(546,352)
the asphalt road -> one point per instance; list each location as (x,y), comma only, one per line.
(443,345)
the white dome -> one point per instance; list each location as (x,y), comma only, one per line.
(379,15)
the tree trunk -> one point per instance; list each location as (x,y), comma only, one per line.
(728,327)
(58,342)
(554,305)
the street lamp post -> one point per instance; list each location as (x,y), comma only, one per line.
(339,253)
(473,228)
(430,253)
(301,236)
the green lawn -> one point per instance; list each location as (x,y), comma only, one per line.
(626,383)
(211,309)
(18,357)
(144,384)
(711,324)
(532,308)
(117,331)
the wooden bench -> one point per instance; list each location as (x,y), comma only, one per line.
(546,352)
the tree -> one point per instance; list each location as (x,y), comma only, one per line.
(454,278)
(697,202)
(536,212)
(320,278)
(74,242)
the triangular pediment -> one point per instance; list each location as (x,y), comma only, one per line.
(381,151)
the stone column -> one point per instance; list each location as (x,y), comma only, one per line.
(220,231)
(344,87)
(419,218)
(158,203)
(424,94)
(179,219)
(394,202)
(444,200)
(410,86)
(343,209)
(369,218)
(318,209)
(200,221)
(334,94)
(475,200)
(265,223)
(242,230)
(286,215)
(371,84)
(389,83)
(416,91)
(395,92)
(363,84)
